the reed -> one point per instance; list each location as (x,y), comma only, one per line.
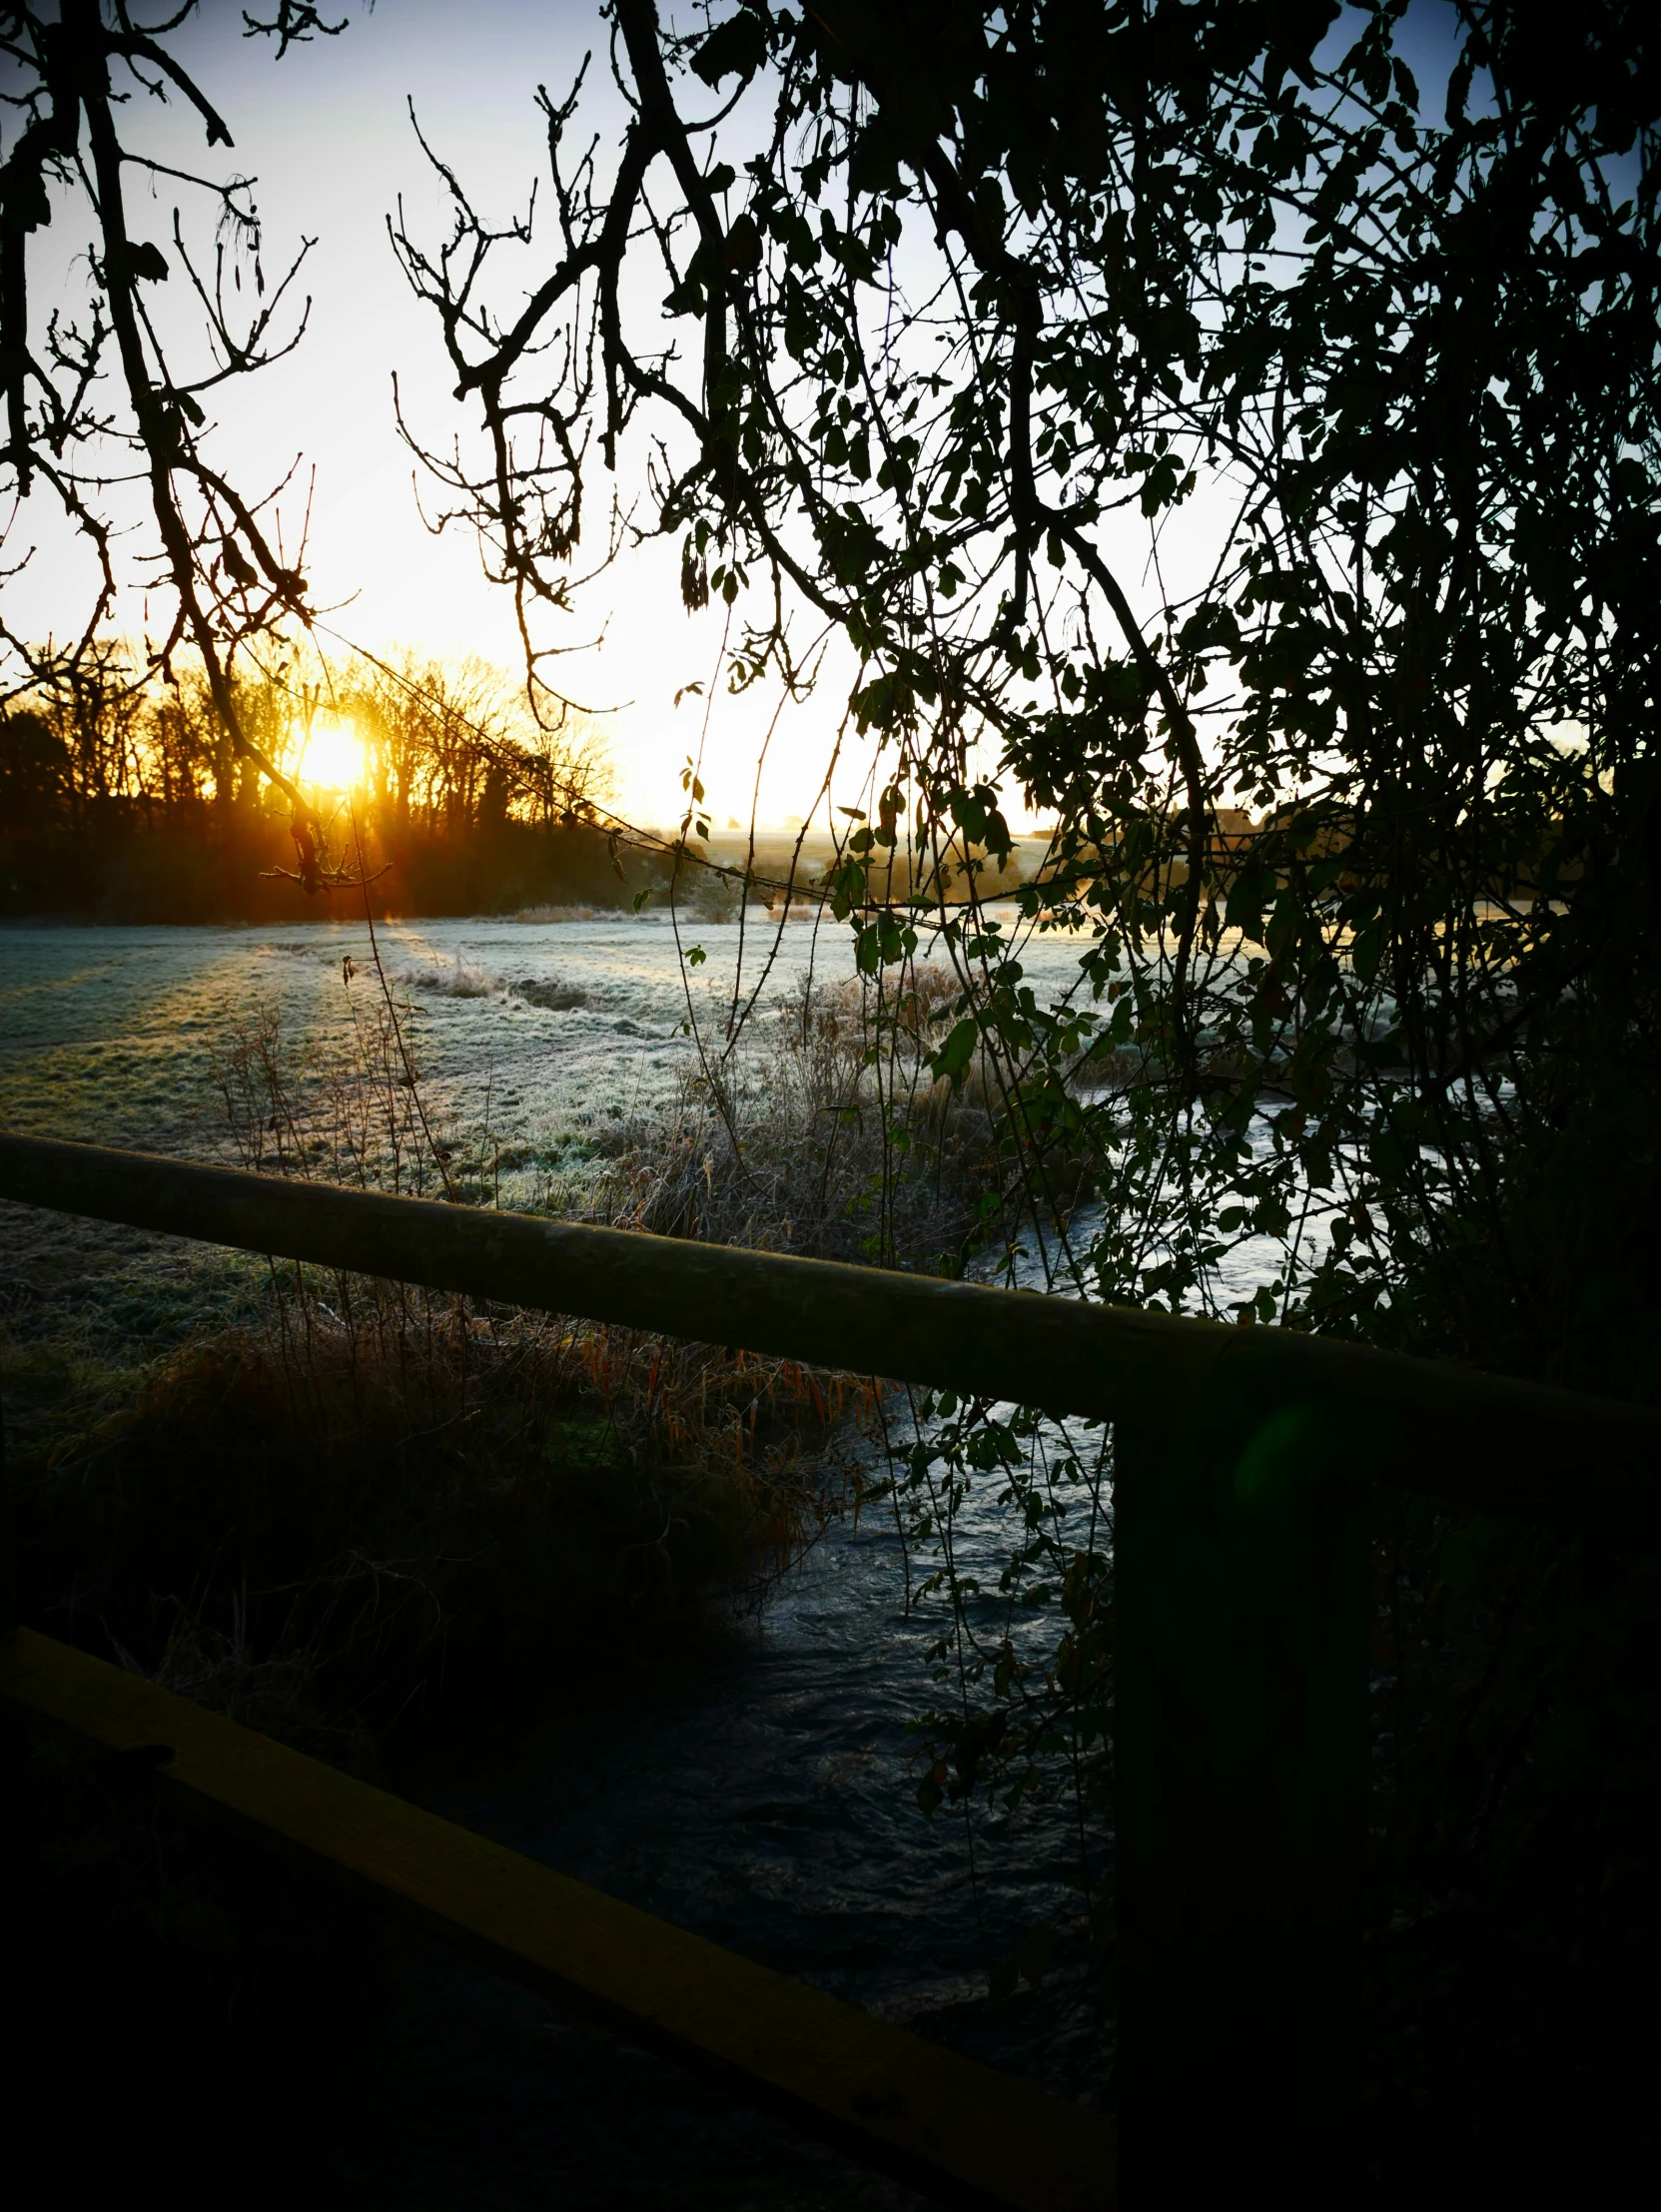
(820,1131)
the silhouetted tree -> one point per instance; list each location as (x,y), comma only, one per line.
(974,318)
(95,403)
(34,772)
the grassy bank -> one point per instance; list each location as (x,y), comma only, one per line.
(337,1501)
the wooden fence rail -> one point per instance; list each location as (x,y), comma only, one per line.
(1475,1439)
(1242,1459)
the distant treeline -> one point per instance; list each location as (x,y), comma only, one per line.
(121,803)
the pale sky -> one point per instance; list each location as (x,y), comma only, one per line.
(328,136)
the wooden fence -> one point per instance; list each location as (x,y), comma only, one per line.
(1243,1460)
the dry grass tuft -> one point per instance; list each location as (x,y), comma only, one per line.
(378,1499)
(540,917)
(824,1133)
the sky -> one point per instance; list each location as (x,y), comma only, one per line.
(327,135)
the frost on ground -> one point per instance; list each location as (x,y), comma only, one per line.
(543,916)
(450,978)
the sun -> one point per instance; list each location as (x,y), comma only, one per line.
(333,759)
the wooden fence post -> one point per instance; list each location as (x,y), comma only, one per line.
(1242,1595)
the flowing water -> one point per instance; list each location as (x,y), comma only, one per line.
(766,1799)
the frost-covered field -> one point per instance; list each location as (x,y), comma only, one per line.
(109,1035)
(542,1030)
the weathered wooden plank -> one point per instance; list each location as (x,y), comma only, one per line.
(1476,1440)
(956,2129)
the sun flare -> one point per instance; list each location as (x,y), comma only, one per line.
(333,758)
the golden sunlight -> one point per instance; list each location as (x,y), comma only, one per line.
(333,758)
